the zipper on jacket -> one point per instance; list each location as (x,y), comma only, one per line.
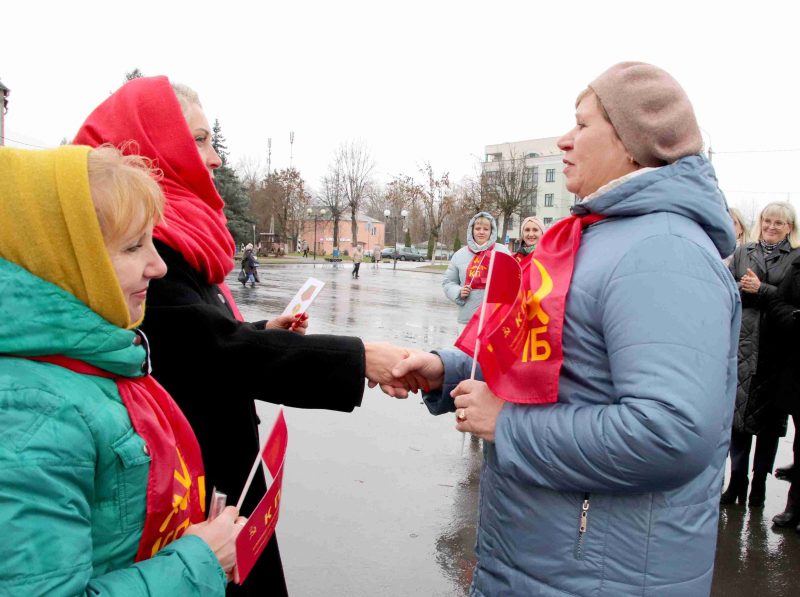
(583,525)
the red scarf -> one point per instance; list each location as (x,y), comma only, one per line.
(176,483)
(146,111)
(521,341)
(478,269)
(523,260)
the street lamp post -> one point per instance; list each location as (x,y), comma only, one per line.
(316,215)
(254,237)
(388,215)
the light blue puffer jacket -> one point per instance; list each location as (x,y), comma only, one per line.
(641,429)
(456,274)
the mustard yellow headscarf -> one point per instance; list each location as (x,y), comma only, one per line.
(49,227)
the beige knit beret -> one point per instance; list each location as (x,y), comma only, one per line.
(650,112)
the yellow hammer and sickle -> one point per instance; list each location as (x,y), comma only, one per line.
(534,300)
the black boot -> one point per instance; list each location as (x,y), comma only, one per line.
(758,490)
(736,490)
(785,473)
(788,518)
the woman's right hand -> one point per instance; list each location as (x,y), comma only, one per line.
(220,535)
(465,290)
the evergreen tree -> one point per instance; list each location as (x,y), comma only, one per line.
(456,244)
(232,191)
(408,238)
(218,142)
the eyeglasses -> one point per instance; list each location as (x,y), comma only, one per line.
(773,223)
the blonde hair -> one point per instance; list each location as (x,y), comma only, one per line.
(783,210)
(186,97)
(482,219)
(737,217)
(124,192)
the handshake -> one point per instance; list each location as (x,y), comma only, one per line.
(400,371)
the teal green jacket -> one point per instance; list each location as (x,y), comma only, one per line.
(73,473)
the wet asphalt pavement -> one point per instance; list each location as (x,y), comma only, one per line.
(384,502)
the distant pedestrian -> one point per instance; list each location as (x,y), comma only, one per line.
(250,267)
(305,249)
(376,256)
(358,257)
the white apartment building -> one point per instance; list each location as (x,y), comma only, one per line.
(544,169)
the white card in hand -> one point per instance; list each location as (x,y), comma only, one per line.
(304,297)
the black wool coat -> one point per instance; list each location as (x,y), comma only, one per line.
(760,362)
(215,367)
(784,315)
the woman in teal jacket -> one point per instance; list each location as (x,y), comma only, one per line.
(90,444)
(613,489)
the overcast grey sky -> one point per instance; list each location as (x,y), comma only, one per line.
(433,80)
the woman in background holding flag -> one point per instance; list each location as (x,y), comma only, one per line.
(465,278)
(94,451)
(602,464)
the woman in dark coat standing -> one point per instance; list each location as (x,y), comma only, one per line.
(784,315)
(759,267)
(202,350)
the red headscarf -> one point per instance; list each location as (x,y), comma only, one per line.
(146,111)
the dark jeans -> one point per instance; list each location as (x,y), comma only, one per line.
(764,458)
(355,268)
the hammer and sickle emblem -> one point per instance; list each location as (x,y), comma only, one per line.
(534,299)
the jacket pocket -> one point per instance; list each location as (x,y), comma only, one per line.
(133,469)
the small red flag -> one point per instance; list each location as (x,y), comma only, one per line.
(261,525)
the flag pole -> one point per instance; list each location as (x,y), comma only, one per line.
(482,316)
(480,328)
(253,469)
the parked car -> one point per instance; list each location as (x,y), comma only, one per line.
(409,254)
(403,254)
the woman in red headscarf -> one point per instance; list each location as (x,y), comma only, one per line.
(203,352)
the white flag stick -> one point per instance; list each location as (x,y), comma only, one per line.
(482,316)
(478,334)
(252,474)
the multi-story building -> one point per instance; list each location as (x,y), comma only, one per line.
(543,172)
(370,233)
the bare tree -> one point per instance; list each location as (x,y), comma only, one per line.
(404,193)
(509,184)
(332,197)
(281,199)
(437,199)
(354,162)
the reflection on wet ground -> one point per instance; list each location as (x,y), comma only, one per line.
(383,501)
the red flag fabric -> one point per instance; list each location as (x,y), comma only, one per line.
(176,481)
(478,270)
(261,525)
(520,351)
(275,448)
